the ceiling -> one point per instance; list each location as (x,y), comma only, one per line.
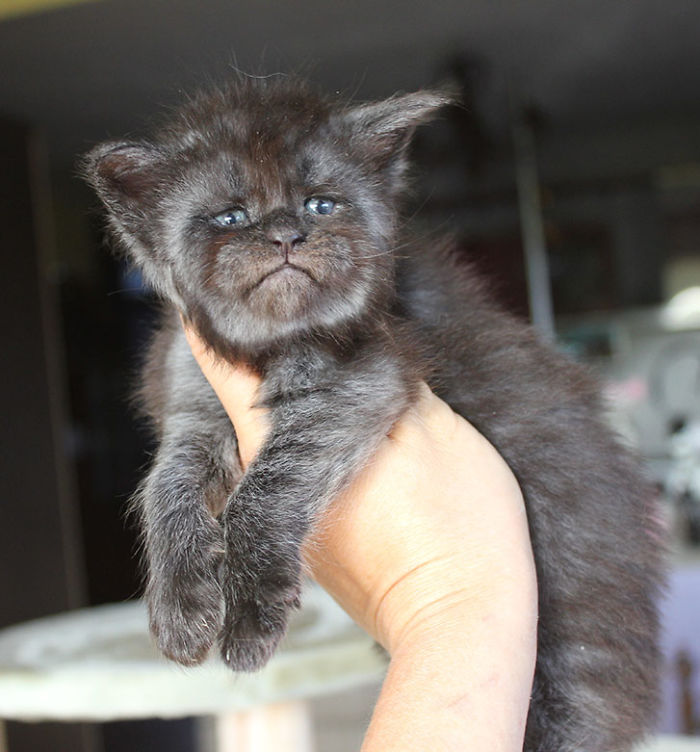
(10,8)
(100,69)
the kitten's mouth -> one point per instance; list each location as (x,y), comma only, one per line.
(285,268)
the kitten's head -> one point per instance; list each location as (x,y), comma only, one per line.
(264,211)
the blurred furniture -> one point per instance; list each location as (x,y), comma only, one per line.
(680,697)
(672,744)
(41,569)
(99,664)
(689,718)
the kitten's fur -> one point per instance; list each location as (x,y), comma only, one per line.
(342,340)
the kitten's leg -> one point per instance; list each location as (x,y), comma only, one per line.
(193,474)
(318,443)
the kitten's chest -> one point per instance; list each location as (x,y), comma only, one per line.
(342,381)
(296,375)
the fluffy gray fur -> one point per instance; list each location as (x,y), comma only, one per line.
(342,327)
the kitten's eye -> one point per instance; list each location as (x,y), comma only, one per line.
(317,205)
(231,217)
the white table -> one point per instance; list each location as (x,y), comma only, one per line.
(99,664)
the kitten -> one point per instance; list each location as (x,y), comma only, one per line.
(266,215)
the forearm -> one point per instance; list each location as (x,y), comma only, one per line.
(466,688)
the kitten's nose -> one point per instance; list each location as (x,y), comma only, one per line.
(285,239)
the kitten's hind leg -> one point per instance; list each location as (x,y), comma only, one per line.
(194,472)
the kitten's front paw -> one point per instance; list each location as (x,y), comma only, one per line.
(256,620)
(185,600)
(185,620)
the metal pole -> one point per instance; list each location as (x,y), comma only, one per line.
(532,227)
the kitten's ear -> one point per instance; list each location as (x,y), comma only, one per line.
(125,175)
(128,176)
(381,131)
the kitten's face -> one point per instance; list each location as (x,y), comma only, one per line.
(273,230)
(263,212)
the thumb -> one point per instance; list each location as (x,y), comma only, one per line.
(236,386)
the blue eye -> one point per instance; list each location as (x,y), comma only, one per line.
(231,217)
(317,205)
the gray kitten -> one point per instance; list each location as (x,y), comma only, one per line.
(267,216)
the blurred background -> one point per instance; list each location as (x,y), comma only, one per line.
(571,177)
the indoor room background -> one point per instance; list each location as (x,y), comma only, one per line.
(569,174)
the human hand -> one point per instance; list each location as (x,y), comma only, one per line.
(428,550)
